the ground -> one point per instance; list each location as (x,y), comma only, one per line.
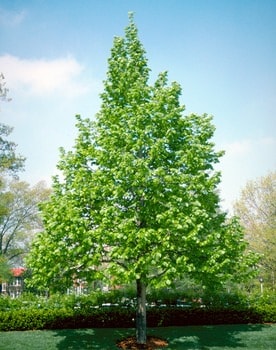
(130,343)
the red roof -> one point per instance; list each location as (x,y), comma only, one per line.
(18,271)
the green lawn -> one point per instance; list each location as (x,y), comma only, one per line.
(236,337)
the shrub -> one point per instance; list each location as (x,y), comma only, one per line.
(31,319)
(71,311)
(106,317)
(267,313)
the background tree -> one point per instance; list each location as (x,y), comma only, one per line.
(20,218)
(257,209)
(9,161)
(3,89)
(138,199)
(5,272)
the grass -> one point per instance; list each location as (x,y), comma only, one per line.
(224,337)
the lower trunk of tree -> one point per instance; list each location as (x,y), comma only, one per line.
(141,315)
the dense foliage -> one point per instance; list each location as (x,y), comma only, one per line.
(138,199)
(10,164)
(117,309)
(9,161)
(139,192)
(257,209)
(20,218)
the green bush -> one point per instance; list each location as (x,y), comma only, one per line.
(31,319)
(6,303)
(187,317)
(265,305)
(267,313)
(122,297)
(86,311)
(110,317)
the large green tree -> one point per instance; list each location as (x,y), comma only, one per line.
(257,209)
(137,199)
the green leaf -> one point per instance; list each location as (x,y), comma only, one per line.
(138,190)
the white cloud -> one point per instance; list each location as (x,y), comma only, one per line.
(245,160)
(268,141)
(238,148)
(243,149)
(11,18)
(41,76)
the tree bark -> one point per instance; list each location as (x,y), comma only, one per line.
(141,315)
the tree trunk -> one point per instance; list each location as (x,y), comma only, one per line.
(141,316)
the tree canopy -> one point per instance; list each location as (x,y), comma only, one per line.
(137,199)
(9,161)
(19,218)
(10,164)
(3,89)
(257,209)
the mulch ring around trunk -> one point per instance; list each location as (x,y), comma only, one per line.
(130,343)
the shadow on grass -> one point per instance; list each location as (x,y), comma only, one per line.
(96,338)
(209,337)
(179,338)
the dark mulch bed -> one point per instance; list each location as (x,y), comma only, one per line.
(130,343)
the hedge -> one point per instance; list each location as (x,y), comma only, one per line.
(116,317)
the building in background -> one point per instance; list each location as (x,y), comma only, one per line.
(14,287)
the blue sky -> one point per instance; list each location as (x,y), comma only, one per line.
(223,53)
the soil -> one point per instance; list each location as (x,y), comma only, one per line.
(130,343)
